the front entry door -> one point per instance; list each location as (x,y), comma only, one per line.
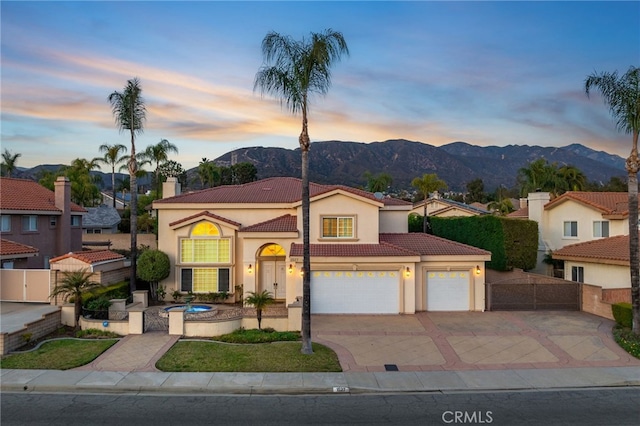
(273,278)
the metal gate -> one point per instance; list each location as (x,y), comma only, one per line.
(152,321)
(523,291)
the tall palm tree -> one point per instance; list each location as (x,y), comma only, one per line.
(112,157)
(9,161)
(159,153)
(426,185)
(129,110)
(293,71)
(572,178)
(379,182)
(622,95)
(73,285)
(260,301)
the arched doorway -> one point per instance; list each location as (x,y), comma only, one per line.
(272,270)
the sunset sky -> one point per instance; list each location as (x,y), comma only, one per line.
(487,73)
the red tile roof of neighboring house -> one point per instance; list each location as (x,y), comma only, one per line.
(8,248)
(522,213)
(90,256)
(205,214)
(613,250)
(430,245)
(28,195)
(609,203)
(351,250)
(286,223)
(270,190)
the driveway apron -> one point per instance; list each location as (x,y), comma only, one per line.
(451,341)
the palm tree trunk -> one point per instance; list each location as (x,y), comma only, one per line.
(634,247)
(259,315)
(113,184)
(306,249)
(133,208)
(78,310)
(424,217)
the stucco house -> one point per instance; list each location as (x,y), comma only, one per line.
(362,258)
(45,223)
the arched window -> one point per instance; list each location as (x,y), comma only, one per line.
(211,252)
(272,250)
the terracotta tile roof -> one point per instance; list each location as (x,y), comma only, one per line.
(205,214)
(8,248)
(351,250)
(271,190)
(90,256)
(286,223)
(603,250)
(609,203)
(522,213)
(28,195)
(430,245)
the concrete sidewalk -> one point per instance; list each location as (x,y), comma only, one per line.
(87,381)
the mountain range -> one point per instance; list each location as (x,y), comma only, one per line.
(457,163)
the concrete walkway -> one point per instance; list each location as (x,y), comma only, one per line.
(445,352)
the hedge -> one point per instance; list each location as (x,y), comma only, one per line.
(513,243)
(622,313)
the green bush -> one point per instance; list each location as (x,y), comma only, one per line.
(113,291)
(98,304)
(622,313)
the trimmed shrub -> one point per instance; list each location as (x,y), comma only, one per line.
(622,313)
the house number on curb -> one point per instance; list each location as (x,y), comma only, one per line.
(340,389)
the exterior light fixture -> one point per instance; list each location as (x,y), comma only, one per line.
(407,272)
(290,268)
(477,269)
(250,269)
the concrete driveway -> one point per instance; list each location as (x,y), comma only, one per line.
(432,341)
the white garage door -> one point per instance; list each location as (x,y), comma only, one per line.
(355,292)
(447,291)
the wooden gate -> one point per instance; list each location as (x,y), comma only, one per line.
(532,292)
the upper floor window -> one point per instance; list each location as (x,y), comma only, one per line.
(30,223)
(75,220)
(205,245)
(570,229)
(337,227)
(5,223)
(577,274)
(601,228)
(53,221)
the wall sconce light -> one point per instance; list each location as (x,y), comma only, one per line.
(407,272)
(250,269)
(290,268)
(477,269)
(301,272)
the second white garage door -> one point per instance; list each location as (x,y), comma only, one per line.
(355,292)
(447,291)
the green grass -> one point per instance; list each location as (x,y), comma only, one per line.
(265,335)
(627,339)
(264,357)
(58,355)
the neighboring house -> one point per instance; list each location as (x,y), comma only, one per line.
(603,262)
(122,199)
(442,207)
(103,219)
(362,258)
(11,252)
(44,220)
(575,217)
(107,266)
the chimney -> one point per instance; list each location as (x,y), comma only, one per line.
(63,202)
(523,203)
(171,187)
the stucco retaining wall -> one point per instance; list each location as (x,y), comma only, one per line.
(48,324)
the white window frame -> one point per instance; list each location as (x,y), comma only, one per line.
(601,228)
(577,274)
(564,229)
(30,223)
(338,219)
(5,223)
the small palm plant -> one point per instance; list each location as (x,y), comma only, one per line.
(73,285)
(260,301)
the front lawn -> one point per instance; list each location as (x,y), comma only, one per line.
(198,356)
(58,355)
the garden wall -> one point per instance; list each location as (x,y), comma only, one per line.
(48,324)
